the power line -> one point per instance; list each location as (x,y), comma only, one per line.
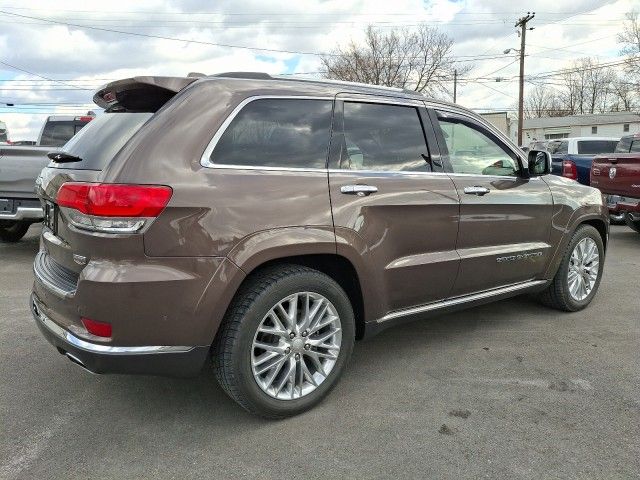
(150,12)
(34,74)
(160,37)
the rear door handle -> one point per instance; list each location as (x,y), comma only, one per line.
(359,190)
(475,190)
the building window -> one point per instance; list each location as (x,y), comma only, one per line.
(594,130)
(555,136)
(625,127)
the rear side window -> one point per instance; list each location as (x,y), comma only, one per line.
(384,138)
(276,132)
(98,142)
(593,147)
(635,146)
(623,145)
(562,147)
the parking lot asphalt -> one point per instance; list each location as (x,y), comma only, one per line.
(507,390)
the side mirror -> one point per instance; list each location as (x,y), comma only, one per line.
(538,163)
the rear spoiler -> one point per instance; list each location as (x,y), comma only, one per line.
(139,94)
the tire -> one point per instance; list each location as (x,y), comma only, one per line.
(13,233)
(558,294)
(617,218)
(234,352)
(635,225)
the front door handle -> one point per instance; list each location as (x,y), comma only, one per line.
(475,190)
(359,190)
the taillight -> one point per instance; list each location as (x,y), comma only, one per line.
(569,170)
(112,208)
(99,329)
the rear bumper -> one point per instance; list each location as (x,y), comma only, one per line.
(174,361)
(23,213)
(625,204)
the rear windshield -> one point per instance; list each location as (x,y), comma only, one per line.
(586,147)
(98,142)
(58,132)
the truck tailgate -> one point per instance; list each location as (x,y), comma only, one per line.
(617,174)
(19,168)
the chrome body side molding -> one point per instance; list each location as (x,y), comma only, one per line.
(452,302)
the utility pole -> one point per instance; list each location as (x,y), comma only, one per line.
(522,23)
(455,85)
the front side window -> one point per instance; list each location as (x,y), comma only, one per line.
(594,147)
(276,132)
(474,152)
(635,146)
(383,137)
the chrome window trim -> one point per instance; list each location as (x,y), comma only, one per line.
(374,98)
(384,172)
(461,300)
(486,124)
(348,97)
(205,160)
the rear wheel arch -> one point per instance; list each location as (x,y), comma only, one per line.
(337,267)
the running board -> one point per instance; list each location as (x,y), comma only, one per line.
(452,302)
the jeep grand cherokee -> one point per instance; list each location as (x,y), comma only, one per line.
(267,223)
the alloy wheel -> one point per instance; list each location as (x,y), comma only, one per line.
(296,345)
(583,269)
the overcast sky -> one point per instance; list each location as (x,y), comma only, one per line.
(81,52)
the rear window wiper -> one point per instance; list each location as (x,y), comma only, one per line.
(62,157)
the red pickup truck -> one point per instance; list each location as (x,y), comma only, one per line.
(617,175)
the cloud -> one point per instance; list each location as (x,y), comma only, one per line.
(88,57)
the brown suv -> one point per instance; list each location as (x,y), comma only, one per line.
(267,223)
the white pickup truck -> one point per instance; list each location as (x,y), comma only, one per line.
(19,168)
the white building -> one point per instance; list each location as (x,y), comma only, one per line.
(612,124)
(503,122)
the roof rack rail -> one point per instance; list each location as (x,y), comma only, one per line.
(254,75)
(342,82)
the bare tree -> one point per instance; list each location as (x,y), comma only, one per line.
(587,87)
(542,101)
(598,87)
(623,95)
(418,59)
(630,40)
(630,36)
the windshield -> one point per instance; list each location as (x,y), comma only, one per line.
(98,142)
(586,147)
